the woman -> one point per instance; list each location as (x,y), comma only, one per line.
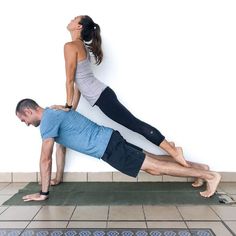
(86,39)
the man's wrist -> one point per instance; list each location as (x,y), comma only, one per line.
(44,193)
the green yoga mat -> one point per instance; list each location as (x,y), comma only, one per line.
(116,193)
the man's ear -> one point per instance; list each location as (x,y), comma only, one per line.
(27,111)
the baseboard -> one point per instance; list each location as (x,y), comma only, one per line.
(17,177)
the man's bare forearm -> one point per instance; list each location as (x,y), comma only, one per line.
(45,171)
(46,163)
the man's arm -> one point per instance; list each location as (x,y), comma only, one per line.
(46,163)
(60,162)
(45,171)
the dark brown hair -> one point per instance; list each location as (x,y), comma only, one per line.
(26,103)
(91,35)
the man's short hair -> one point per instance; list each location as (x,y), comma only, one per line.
(26,103)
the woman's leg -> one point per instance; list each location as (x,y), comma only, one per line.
(110,106)
(158,167)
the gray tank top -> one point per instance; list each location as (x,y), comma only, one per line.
(89,86)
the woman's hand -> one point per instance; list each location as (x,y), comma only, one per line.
(34,197)
(59,107)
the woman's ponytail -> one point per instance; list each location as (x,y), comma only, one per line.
(91,35)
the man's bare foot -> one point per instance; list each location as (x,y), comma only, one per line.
(198,183)
(54,182)
(211,185)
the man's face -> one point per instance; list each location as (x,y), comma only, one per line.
(29,117)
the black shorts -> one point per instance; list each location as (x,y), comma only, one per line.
(123,156)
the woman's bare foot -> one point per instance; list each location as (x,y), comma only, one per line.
(211,185)
(180,156)
(172,144)
(198,182)
(54,182)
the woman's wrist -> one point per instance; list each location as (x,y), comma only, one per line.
(68,106)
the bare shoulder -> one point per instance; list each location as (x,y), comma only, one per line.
(70,46)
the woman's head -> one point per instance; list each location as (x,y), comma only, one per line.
(90,33)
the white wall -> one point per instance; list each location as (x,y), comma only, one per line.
(172,63)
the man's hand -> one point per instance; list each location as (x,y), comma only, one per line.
(59,107)
(34,197)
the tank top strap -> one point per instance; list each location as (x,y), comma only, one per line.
(88,52)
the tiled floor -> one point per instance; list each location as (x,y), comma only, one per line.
(221,219)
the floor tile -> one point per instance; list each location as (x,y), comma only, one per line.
(3,185)
(55,213)
(126,224)
(134,212)
(231,225)
(217,227)
(225,212)
(90,213)
(87,224)
(166,224)
(197,213)
(12,188)
(228,187)
(20,213)
(161,213)
(13,224)
(48,224)
(4,198)
(3,208)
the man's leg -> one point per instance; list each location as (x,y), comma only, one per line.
(60,162)
(198,182)
(157,167)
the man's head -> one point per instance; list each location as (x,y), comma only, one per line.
(28,111)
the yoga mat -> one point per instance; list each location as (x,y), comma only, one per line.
(117,193)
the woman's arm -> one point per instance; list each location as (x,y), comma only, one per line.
(76,97)
(70,64)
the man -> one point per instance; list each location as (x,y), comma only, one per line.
(74,131)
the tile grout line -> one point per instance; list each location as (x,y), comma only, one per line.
(5,209)
(183,220)
(71,216)
(228,228)
(222,221)
(30,221)
(145,218)
(108,216)
(8,183)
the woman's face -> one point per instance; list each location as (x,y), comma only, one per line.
(74,24)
